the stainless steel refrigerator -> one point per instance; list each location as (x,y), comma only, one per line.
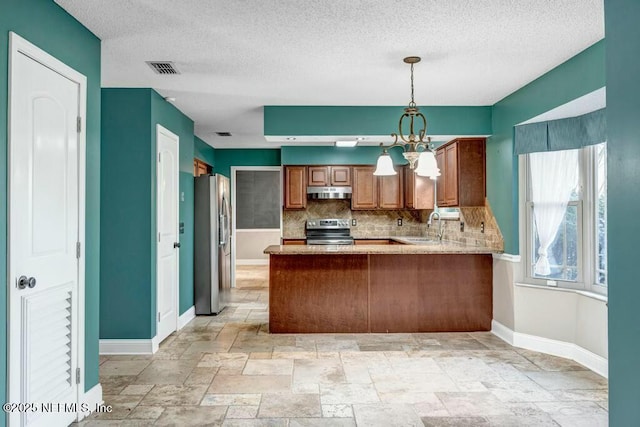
(212,243)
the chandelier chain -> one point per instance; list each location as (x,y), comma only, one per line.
(412,103)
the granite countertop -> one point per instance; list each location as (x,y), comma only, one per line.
(443,247)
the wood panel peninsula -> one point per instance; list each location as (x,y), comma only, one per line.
(442,287)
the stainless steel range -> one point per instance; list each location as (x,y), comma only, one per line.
(328,232)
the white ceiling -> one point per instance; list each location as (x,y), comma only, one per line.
(237,56)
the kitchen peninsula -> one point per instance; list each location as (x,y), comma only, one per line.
(438,287)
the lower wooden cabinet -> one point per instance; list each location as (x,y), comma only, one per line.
(294,241)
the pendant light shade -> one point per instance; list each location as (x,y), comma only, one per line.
(384,167)
(427,165)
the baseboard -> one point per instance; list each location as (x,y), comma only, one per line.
(258,261)
(186,317)
(507,257)
(90,400)
(502,332)
(596,363)
(137,346)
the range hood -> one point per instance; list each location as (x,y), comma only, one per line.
(324,193)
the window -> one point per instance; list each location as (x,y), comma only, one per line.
(565,215)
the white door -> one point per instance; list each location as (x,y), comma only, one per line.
(45,219)
(167,208)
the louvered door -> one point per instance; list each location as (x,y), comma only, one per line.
(45,222)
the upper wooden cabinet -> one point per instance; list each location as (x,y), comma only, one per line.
(365,188)
(462,168)
(200,168)
(295,187)
(418,190)
(373,192)
(390,194)
(324,176)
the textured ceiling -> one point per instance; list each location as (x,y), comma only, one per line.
(237,56)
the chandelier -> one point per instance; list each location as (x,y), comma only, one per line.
(412,143)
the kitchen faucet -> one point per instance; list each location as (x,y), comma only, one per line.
(439,223)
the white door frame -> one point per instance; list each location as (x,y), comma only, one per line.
(20,46)
(161,129)
(234,209)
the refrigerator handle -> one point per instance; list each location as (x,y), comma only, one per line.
(225,231)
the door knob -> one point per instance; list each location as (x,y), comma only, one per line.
(176,245)
(23,282)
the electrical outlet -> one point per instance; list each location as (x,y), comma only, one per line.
(354,222)
(399,222)
(461,226)
(552,283)
(482,227)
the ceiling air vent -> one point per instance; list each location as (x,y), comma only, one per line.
(163,67)
(223,133)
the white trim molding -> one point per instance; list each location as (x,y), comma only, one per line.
(507,257)
(133,346)
(186,317)
(91,399)
(596,363)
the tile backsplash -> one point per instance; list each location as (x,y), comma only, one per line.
(384,223)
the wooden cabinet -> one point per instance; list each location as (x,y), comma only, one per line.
(294,241)
(341,176)
(365,188)
(200,168)
(376,192)
(295,187)
(390,194)
(318,175)
(324,176)
(418,190)
(440,184)
(462,168)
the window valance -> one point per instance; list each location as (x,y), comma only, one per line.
(562,134)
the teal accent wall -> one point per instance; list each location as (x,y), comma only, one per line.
(49,27)
(203,151)
(327,155)
(128,253)
(167,115)
(367,120)
(128,269)
(572,79)
(225,158)
(623,151)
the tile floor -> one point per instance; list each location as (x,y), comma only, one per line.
(227,370)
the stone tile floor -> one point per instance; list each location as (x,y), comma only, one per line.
(227,370)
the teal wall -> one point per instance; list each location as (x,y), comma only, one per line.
(49,27)
(167,115)
(127,214)
(623,152)
(128,252)
(576,77)
(225,158)
(381,120)
(327,155)
(203,151)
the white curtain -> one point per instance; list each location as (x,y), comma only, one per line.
(554,175)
